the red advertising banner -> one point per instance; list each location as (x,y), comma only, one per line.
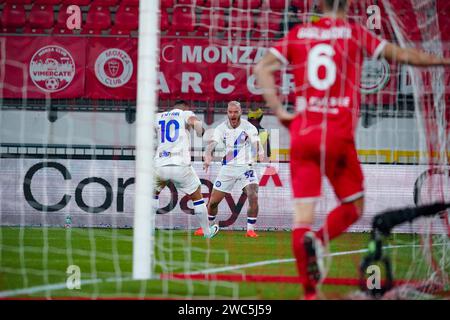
(44,67)
(203,70)
(183,74)
(192,69)
(111,68)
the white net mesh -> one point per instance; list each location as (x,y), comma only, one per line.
(432,117)
(67,187)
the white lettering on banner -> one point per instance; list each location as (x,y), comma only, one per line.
(260,52)
(251,85)
(191,54)
(211,58)
(167,53)
(162,83)
(245,58)
(191,80)
(218,83)
(101,192)
(229,54)
(224,54)
(238,58)
(232,55)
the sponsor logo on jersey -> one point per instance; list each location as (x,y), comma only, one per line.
(52,68)
(164,154)
(375,75)
(218,184)
(113,68)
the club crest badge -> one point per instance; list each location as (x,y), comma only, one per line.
(52,68)
(113,68)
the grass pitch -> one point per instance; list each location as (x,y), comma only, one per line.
(34,262)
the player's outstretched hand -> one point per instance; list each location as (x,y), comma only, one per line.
(263,158)
(284,116)
(208,157)
(207,163)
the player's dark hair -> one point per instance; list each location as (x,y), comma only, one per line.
(336,4)
(181,102)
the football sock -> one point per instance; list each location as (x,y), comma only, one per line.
(155,202)
(251,223)
(300,256)
(338,221)
(201,212)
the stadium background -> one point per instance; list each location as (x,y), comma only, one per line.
(68,98)
(78,87)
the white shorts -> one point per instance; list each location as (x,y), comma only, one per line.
(183,177)
(235,175)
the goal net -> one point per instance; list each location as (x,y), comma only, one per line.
(76,172)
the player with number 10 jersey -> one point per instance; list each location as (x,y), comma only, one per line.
(174,145)
(173,160)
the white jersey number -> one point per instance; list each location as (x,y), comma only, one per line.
(321,56)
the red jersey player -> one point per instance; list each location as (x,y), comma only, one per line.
(326,59)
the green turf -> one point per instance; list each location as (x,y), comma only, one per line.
(35,257)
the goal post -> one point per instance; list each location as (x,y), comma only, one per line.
(143,227)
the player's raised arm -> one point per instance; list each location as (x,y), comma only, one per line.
(216,138)
(208,157)
(260,152)
(264,72)
(412,56)
(377,47)
(257,147)
(195,123)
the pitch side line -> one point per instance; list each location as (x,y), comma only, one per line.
(57,286)
(267,262)
(63,285)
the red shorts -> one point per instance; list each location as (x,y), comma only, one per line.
(336,158)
